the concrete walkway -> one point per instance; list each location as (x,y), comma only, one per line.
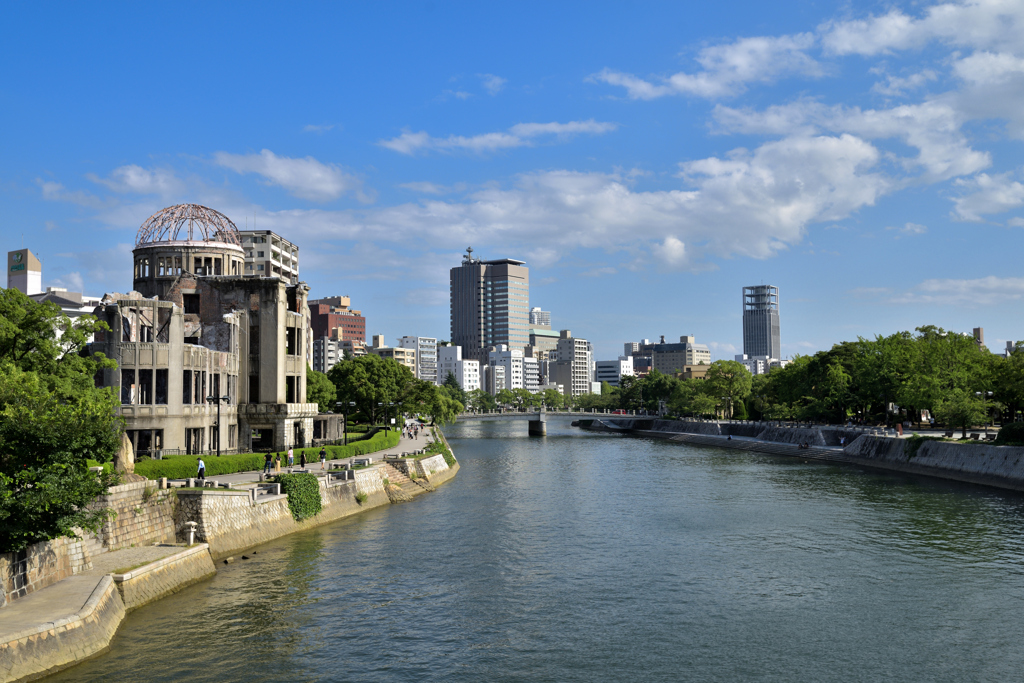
(67,597)
(251,477)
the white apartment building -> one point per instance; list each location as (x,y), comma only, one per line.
(612,371)
(501,356)
(326,354)
(493,378)
(572,368)
(426,357)
(531,375)
(267,254)
(760,365)
(450,362)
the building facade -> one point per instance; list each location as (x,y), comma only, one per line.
(326,354)
(267,254)
(761,335)
(24,272)
(669,358)
(406,357)
(572,365)
(197,332)
(426,357)
(489,305)
(540,319)
(334,317)
(450,362)
(511,360)
(612,371)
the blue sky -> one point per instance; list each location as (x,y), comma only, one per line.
(647,160)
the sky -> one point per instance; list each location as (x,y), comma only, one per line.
(645,159)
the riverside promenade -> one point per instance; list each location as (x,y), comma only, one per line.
(75,618)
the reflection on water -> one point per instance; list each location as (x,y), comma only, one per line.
(581,557)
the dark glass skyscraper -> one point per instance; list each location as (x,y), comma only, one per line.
(490,305)
(761,321)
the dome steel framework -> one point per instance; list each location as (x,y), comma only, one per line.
(201,223)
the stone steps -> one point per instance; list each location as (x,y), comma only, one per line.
(400,487)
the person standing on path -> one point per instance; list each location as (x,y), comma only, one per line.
(266,463)
(291,456)
(323,458)
(202,470)
(277,463)
(302,459)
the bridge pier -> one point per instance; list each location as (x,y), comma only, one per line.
(539,427)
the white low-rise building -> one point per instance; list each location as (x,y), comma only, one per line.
(450,362)
(612,371)
(760,365)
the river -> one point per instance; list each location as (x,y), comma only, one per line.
(593,557)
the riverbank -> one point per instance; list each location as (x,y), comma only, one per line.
(82,590)
(974,463)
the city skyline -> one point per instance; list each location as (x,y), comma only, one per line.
(866,161)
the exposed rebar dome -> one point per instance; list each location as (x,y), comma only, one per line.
(201,223)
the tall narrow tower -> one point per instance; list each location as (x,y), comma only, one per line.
(24,272)
(761,321)
(490,304)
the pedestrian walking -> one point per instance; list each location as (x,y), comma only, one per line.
(302,459)
(277,463)
(291,456)
(202,470)
(323,458)
(266,463)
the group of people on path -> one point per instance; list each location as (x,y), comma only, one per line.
(411,432)
(275,459)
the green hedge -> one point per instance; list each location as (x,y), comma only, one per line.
(303,491)
(1011,434)
(184,466)
(439,447)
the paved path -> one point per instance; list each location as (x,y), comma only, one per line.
(404,446)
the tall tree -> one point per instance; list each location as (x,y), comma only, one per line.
(320,390)
(728,380)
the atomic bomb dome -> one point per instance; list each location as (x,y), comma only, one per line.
(187,238)
(188,223)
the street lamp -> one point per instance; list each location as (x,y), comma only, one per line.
(218,400)
(985,395)
(380,405)
(351,404)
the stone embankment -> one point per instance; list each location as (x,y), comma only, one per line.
(63,600)
(976,463)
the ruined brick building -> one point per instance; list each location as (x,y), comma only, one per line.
(197,330)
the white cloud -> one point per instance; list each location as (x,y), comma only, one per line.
(934,128)
(989,194)
(979,24)
(56,192)
(895,85)
(910,229)
(752,203)
(71,281)
(433,188)
(1015,222)
(493,84)
(599,272)
(313,128)
(727,69)
(305,178)
(519,135)
(985,291)
(137,180)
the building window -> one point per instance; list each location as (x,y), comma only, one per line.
(127,387)
(254,388)
(186,387)
(191,303)
(161,387)
(145,386)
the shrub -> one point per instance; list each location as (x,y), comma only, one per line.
(1011,434)
(361,497)
(303,491)
(439,447)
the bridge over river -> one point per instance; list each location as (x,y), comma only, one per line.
(537,418)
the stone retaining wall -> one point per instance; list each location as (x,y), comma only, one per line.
(41,565)
(431,467)
(164,577)
(230,521)
(1001,466)
(142,515)
(56,645)
(809,435)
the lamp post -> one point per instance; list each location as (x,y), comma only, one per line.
(218,400)
(380,405)
(984,395)
(392,405)
(351,404)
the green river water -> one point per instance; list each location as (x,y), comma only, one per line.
(591,557)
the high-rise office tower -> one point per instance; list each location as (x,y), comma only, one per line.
(761,321)
(540,319)
(490,305)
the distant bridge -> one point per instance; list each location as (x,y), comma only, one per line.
(537,418)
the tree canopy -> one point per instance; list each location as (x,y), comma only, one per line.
(53,419)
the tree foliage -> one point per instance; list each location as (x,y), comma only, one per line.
(52,420)
(320,390)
